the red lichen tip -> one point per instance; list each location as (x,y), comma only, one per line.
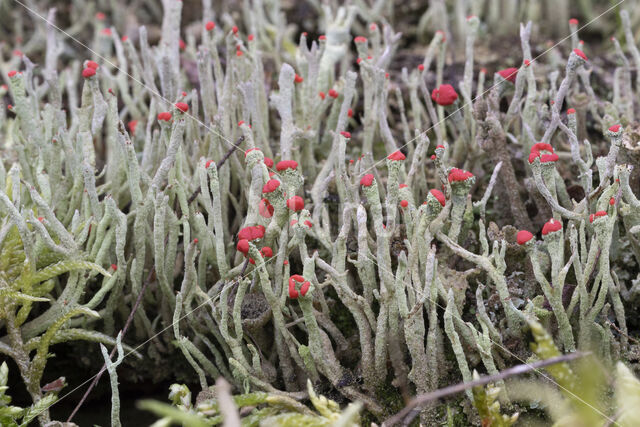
(295,203)
(267,252)
(397,156)
(402,186)
(305,288)
(439,146)
(40,218)
(433,157)
(349,113)
(367,180)
(551,226)
(333,93)
(182,106)
(597,215)
(286,164)
(444,95)
(612,201)
(250,37)
(571,111)
(100,16)
(234,29)
(542,146)
(308,223)
(421,67)
(321,94)
(164,116)
(106,31)
(92,64)
(546,158)
(210,25)
(580,54)
(251,233)
(12,73)
(209,162)
(298,79)
(132,126)
(509,74)
(527,62)
(114,267)
(404,203)
(268,162)
(360,39)
(124,38)
(293,280)
(373,26)
(346,134)
(615,128)
(322,37)
(458,175)
(88,72)
(265,208)
(523,237)
(438,195)
(271,186)
(573,21)
(243,246)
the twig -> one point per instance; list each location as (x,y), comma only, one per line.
(611,324)
(457,388)
(230,152)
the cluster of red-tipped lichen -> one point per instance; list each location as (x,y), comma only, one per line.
(544,152)
(459,175)
(295,280)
